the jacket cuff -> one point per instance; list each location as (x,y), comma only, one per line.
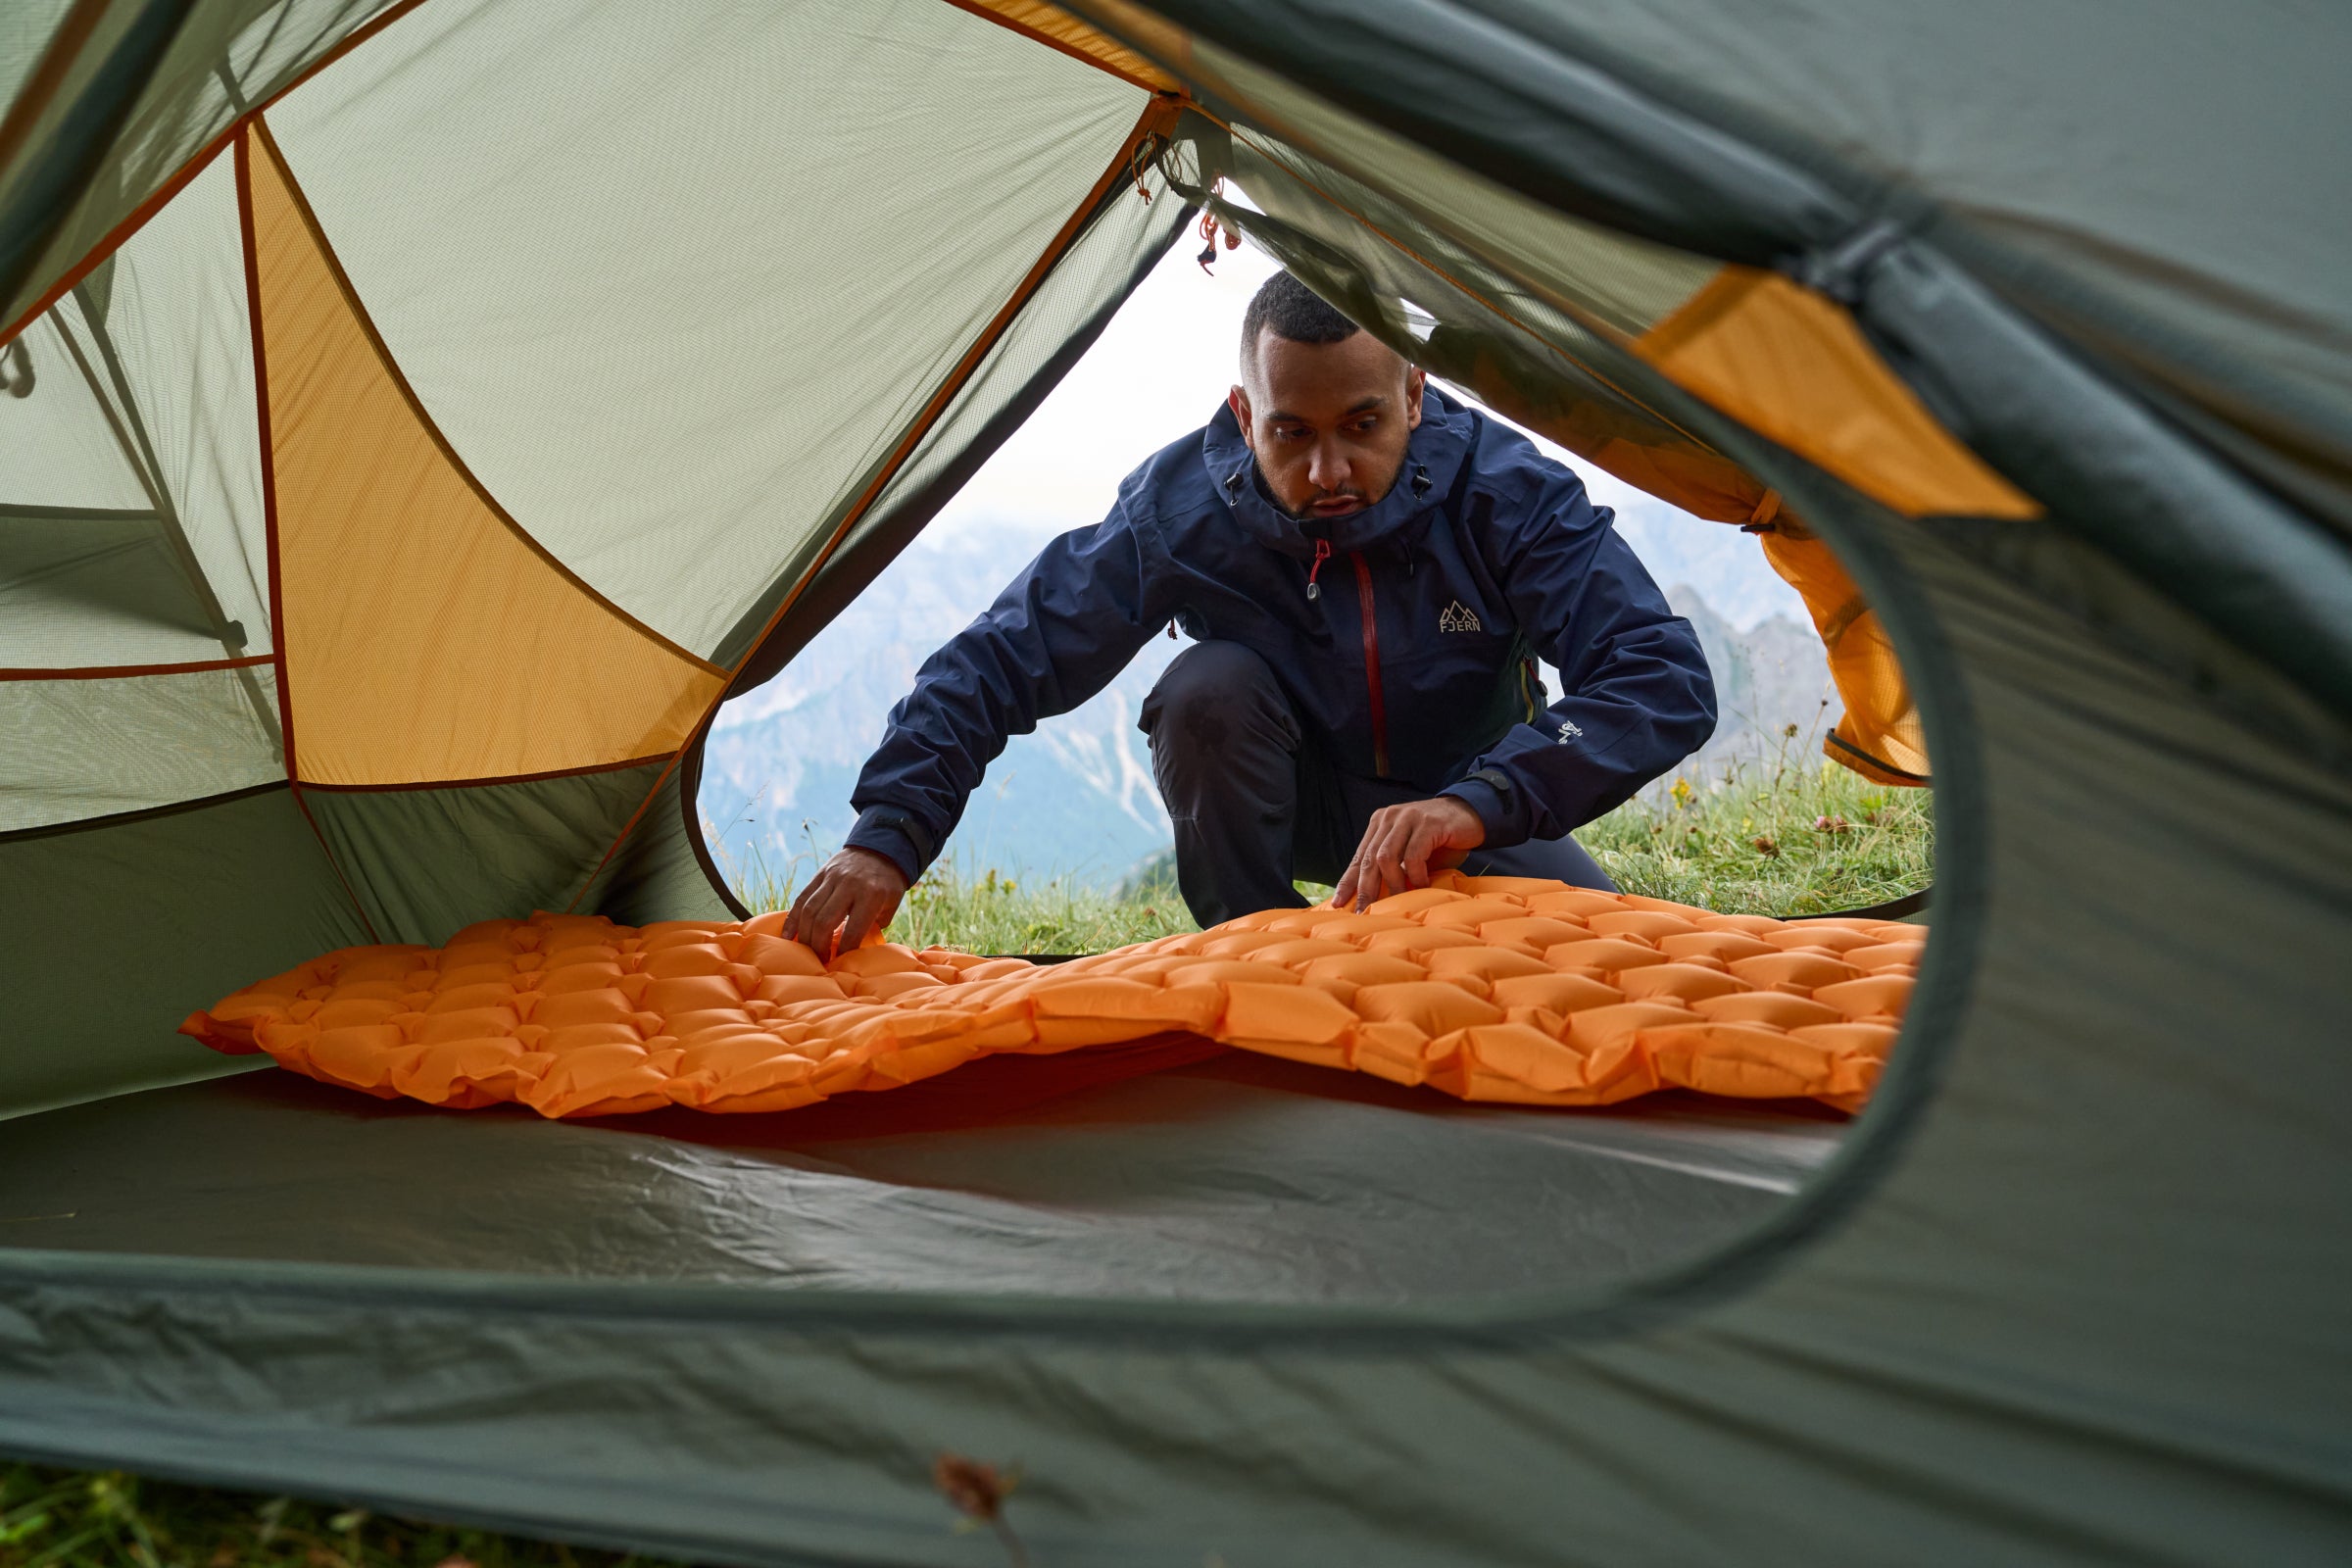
(895,837)
(1501,805)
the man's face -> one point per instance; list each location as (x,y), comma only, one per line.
(1329,422)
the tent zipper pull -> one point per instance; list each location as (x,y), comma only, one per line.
(1322,554)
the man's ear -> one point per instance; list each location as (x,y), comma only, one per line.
(1413,383)
(1237,401)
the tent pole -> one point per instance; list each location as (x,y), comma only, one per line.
(131,434)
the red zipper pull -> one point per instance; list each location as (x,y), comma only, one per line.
(1322,554)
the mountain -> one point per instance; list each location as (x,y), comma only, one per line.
(1769,678)
(1076,799)
(1718,563)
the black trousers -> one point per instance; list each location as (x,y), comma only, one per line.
(1255,804)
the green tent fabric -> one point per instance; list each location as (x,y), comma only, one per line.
(2070,1291)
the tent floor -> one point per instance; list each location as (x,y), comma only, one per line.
(1168,1168)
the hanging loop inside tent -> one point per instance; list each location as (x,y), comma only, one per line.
(1153,145)
(16,370)
(1146,153)
(1209,228)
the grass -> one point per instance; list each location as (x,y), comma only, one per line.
(988,913)
(71,1519)
(1797,837)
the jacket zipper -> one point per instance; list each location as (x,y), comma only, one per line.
(1379,712)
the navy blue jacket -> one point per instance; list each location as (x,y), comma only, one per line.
(1416,662)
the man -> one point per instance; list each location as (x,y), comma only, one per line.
(1369,572)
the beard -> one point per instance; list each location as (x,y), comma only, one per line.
(1306,512)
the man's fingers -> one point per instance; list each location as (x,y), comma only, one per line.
(808,916)
(1400,858)
(832,916)
(862,916)
(1394,851)
(1428,840)
(1382,875)
(1396,855)
(836,911)
(801,923)
(819,915)
(1416,859)
(841,933)
(1362,877)
(1403,848)
(1383,857)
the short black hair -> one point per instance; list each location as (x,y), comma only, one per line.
(1293,312)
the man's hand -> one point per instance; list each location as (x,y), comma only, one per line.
(857,891)
(1402,844)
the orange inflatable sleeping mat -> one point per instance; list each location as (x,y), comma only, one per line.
(1488,988)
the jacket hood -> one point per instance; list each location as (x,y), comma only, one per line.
(1433,458)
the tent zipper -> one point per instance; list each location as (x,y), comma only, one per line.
(1379,712)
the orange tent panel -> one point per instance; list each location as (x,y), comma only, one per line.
(426,637)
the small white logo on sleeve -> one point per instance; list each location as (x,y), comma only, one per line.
(1456,617)
(1568,731)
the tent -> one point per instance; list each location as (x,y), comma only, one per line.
(415,417)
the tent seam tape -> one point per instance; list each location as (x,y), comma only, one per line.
(243,165)
(432,427)
(137,815)
(485,782)
(34,512)
(970,8)
(115,238)
(135,671)
(1157,113)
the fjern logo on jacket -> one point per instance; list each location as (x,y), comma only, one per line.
(1455,617)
